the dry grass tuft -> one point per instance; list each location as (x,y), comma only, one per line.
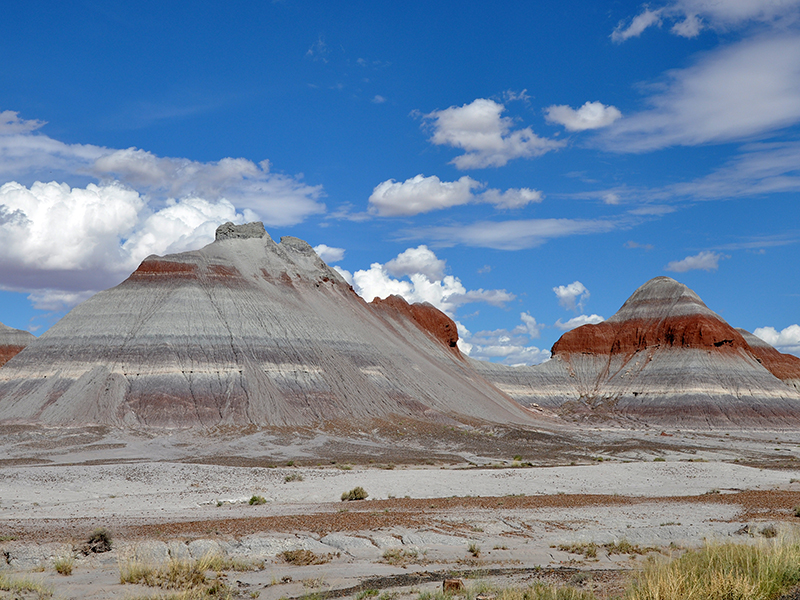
(24,585)
(64,565)
(730,571)
(305,557)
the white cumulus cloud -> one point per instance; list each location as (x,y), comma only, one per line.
(647,18)
(703,261)
(329,254)
(487,137)
(422,194)
(417,260)
(501,345)
(72,240)
(786,340)
(592,115)
(578,321)
(572,296)
(446,293)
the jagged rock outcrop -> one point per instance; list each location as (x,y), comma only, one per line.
(247,331)
(12,342)
(663,358)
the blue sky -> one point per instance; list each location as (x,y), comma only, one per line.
(524,166)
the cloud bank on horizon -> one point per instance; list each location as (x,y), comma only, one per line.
(460,189)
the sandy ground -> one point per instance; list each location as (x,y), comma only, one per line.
(475,512)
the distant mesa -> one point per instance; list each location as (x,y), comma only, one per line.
(12,342)
(246,331)
(663,358)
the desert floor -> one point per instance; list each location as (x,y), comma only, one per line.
(495,506)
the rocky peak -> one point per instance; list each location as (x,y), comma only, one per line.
(229,231)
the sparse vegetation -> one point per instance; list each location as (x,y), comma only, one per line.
(474,549)
(769,531)
(188,578)
(257,500)
(64,565)
(735,571)
(659,459)
(586,549)
(99,542)
(293,477)
(366,594)
(400,557)
(303,557)
(24,585)
(357,493)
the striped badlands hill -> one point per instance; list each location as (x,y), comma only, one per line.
(247,331)
(663,358)
(12,341)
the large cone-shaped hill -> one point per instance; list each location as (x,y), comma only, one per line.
(664,358)
(246,331)
(12,341)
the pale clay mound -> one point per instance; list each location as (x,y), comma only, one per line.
(12,342)
(244,331)
(663,358)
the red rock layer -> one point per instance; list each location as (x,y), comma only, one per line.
(8,352)
(154,268)
(426,317)
(785,367)
(697,331)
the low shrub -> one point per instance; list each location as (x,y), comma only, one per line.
(257,500)
(98,542)
(357,493)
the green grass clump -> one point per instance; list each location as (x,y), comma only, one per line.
(257,500)
(357,493)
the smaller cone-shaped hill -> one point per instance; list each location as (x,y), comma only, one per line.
(665,358)
(12,342)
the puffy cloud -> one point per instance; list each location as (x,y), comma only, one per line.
(592,115)
(704,261)
(786,340)
(690,17)
(378,99)
(572,296)
(422,194)
(736,92)
(486,136)
(278,199)
(578,321)
(638,24)
(71,240)
(529,326)
(417,260)
(445,293)
(513,234)
(503,346)
(329,254)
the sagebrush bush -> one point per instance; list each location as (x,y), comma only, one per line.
(357,493)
